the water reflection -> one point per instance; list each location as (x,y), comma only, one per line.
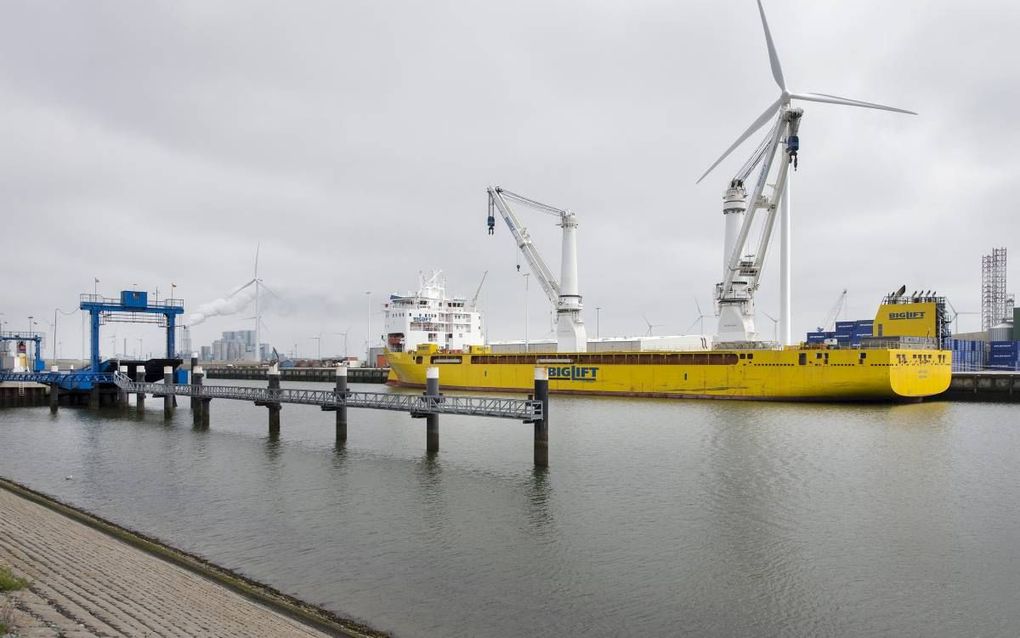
(656,517)
(540,516)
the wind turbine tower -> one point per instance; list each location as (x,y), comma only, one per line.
(258,311)
(742,264)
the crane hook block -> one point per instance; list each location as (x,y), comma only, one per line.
(792,146)
(492,224)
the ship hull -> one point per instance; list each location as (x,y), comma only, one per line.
(833,375)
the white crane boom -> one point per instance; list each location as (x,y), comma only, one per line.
(478,291)
(830,319)
(498,200)
(565,294)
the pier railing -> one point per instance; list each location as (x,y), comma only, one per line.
(498,407)
(117,386)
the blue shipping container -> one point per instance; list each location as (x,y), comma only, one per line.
(1003,345)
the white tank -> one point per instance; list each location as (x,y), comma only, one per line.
(1001,332)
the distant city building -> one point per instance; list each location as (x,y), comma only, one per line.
(236,345)
(184,343)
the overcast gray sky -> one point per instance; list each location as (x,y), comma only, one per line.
(150,143)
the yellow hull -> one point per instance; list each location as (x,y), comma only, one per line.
(787,375)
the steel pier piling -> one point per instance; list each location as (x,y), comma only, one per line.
(432,419)
(341,410)
(140,397)
(274,407)
(168,396)
(54,393)
(542,425)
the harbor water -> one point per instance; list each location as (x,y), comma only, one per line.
(701,518)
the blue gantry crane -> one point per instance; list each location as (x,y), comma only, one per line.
(132,307)
(22,339)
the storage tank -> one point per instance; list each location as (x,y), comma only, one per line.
(1001,332)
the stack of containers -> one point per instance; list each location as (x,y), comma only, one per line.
(815,337)
(844,333)
(967,355)
(1002,355)
(862,328)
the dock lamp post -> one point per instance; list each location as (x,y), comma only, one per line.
(368,332)
(598,309)
(526,311)
(344,334)
(55,314)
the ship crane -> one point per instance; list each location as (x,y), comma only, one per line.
(830,319)
(742,264)
(565,294)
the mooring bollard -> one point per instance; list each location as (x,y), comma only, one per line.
(542,425)
(432,419)
(168,395)
(273,406)
(197,404)
(54,393)
(122,395)
(140,397)
(341,407)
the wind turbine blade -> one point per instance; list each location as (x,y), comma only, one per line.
(777,70)
(240,288)
(698,306)
(835,99)
(269,290)
(768,114)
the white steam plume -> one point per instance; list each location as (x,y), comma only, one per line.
(233,303)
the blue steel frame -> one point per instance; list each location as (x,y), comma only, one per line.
(28,336)
(97,306)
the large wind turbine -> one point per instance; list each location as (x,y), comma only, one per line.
(258,314)
(736,311)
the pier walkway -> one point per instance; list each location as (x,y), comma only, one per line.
(117,386)
(417,404)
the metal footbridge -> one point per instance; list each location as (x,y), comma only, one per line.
(81,380)
(498,407)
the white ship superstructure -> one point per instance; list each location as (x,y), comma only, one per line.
(429,316)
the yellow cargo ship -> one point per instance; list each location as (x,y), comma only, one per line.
(899,363)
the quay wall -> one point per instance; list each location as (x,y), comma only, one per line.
(983,386)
